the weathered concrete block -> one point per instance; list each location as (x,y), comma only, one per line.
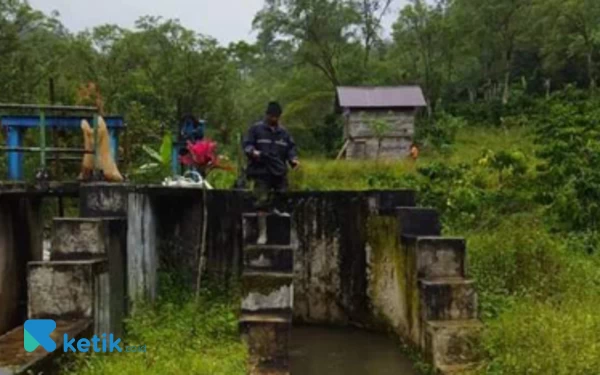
(63,290)
(267,291)
(268,340)
(278,229)
(117,270)
(97,238)
(103,199)
(385,203)
(269,258)
(413,221)
(448,299)
(437,257)
(76,239)
(453,345)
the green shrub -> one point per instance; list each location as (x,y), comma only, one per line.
(441,131)
(543,338)
(568,133)
(521,259)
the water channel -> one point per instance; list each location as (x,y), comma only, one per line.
(336,351)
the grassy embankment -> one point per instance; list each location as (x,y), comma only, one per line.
(539,288)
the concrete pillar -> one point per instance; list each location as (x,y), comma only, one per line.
(70,290)
(142,255)
(108,201)
(443,316)
(267,292)
(100,239)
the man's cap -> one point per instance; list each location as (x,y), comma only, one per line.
(274,109)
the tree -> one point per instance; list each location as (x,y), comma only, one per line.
(571,28)
(419,37)
(371,13)
(498,27)
(320,30)
(30,46)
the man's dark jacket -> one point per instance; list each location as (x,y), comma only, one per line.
(276,147)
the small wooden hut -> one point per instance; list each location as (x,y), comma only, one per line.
(378,121)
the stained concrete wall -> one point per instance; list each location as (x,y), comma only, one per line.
(20,242)
(331,234)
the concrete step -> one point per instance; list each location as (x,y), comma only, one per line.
(277,258)
(268,340)
(258,317)
(415,221)
(96,238)
(15,360)
(278,229)
(384,203)
(452,345)
(437,257)
(77,238)
(267,291)
(67,290)
(448,299)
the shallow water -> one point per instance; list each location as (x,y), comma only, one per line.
(335,351)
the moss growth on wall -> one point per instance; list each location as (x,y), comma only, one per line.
(412,295)
(390,258)
(386,254)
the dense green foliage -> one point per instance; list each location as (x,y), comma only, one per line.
(483,60)
(509,138)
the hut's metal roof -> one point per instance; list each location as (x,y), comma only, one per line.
(380,97)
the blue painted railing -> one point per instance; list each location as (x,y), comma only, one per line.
(16,125)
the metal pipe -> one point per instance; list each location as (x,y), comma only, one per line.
(42,140)
(48,149)
(65,108)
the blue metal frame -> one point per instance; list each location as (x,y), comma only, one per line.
(15,159)
(188,131)
(17,125)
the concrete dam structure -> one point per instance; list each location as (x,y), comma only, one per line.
(370,259)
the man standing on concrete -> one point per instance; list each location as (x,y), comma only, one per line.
(270,148)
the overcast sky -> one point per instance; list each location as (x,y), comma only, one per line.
(226,20)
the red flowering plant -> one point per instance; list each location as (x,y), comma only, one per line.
(202,156)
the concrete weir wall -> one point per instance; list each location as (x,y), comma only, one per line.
(20,242)
(331,236)
(369,259)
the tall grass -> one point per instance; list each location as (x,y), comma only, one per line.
(471,143)
(180,338)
